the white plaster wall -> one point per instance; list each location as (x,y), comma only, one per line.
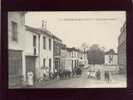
(20,44)
(46,53)
(106,59)
(29,49)
(19,19)
(115,60)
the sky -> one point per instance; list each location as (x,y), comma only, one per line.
(77,27)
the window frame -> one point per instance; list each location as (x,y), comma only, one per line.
(44,42)
(14,30)
(50,44)
(34,40)
(50,63)
(44,62)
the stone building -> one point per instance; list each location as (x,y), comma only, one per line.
(122,49)
(16,43)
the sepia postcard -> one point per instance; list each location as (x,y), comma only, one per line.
(67,49)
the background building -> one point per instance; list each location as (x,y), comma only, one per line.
(83,58)
(69,58)
(122,49)
(74,55)
(110,58)
(57,44)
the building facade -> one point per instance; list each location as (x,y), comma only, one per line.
(122,50)
(74,55)
(29,50)
(83,58)
(65,59)
(42,47)
(110,58)
(69,58)
(16,43)
(57,44)
(46,51)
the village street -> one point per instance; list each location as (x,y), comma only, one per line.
(83,82)
(56,58)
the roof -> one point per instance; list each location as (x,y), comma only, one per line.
(63,46)
(111,51)
(73,49)
(38,30)
(45,31)
(55,37)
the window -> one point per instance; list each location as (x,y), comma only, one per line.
(110,58)
(44,62)
(35,51)
(34,41)
(75,63)
(49,44)
(44,42)
(14,31)
(72,63)
(57,50)
(50,63)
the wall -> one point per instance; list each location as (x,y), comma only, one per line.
(19,18)
(122,49)
(114,60)
(29,50)
(46,53)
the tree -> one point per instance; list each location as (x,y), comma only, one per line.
(84,46)
(95,55)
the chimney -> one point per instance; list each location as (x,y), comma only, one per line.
(44,24)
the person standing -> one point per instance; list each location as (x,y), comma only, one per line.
(98,75)
(107,76)
(44,73)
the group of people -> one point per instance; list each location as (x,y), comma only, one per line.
(94,74)
(99,74)
(62,73)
